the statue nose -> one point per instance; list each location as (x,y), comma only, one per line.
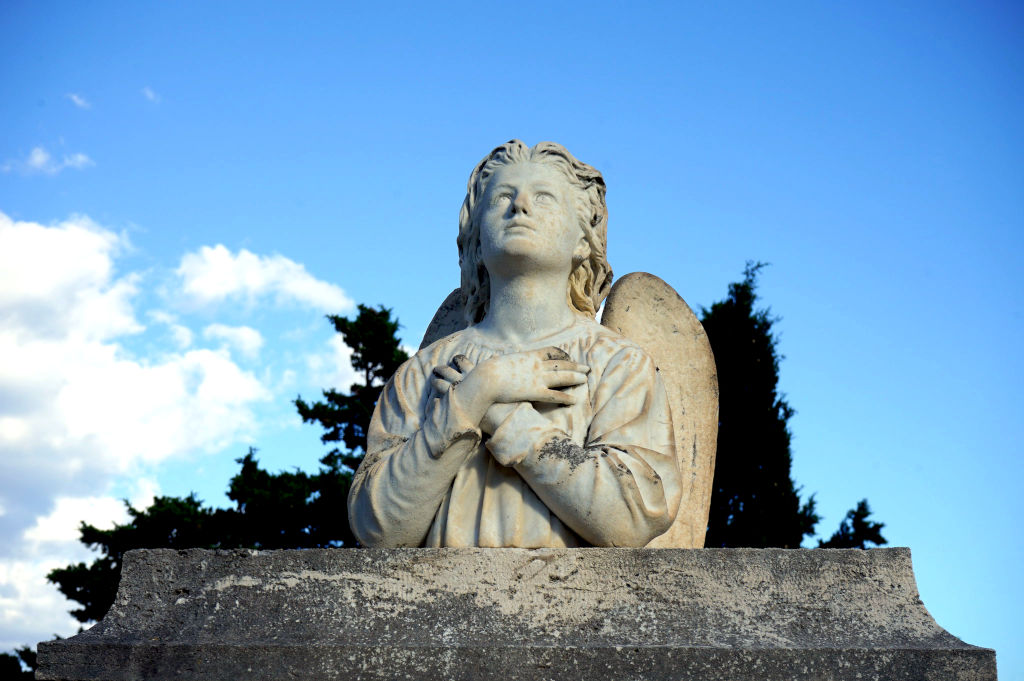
(520,204)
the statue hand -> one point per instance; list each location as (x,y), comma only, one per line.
(530,376)
(501,383)
(444,377)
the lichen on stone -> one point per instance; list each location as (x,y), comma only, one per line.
(566,450)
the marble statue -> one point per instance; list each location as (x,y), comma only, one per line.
(522,421)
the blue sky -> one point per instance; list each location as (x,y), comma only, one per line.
(186,190)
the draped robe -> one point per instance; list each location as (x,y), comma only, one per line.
(599,472)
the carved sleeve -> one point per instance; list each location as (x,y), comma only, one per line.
(621,488)
(410,462)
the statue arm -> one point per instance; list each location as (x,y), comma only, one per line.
(621,488)
(410,463)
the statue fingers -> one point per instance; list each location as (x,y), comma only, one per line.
(439,385)
(463,363)
(554,397)
(565,365)
(552,352)
(447,374)
(564,379)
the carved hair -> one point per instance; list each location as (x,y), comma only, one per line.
(591,278)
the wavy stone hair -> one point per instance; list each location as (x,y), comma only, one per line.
(591,278)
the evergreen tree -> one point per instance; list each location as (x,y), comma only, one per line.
(13,666)
(376,352)
(856,531)
(753,501)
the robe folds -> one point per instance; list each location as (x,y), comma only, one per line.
(600,472)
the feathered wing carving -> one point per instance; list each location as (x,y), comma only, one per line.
(447,320)
(649,312)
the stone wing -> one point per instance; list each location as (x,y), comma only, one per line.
(447,320)
(649,312)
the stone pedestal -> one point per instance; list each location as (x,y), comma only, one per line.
(509,614)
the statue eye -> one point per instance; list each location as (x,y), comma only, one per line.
(545,197)
(503,197)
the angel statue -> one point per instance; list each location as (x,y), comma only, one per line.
(522,421)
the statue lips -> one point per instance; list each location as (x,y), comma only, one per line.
(520,225)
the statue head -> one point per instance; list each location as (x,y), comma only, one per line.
(590,277)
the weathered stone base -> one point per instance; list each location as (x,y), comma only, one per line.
(514,614)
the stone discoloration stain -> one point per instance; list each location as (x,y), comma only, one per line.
(738,614)
(568,451)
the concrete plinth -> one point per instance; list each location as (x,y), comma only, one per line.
(514,614)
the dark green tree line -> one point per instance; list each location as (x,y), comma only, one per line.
(13,665)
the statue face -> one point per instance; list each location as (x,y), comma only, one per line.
(528,219)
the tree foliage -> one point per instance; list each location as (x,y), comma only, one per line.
(19,665)
(856,531)
(754,501)
(377,354)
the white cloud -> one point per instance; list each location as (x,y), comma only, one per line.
(61,525)
(40,161)
(79,101)
(161,316)
(148,93)
(11,430)
(77,161)
(77,408)
(332,368)
(182,335)
(136,412)
(31,609)
(81,415)
(57,282)
(245,339)
(215,274)
(146,490)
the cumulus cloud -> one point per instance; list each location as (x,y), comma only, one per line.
(31,609)
(40,161)
(180,334)
(26,598)
(82,412)
(245,339)
(79,412)
(58,282)
(79,101)
(76,407)
(215,274)
(332,366)
(61,525)
(148,93)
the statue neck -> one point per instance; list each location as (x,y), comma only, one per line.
(526,307)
